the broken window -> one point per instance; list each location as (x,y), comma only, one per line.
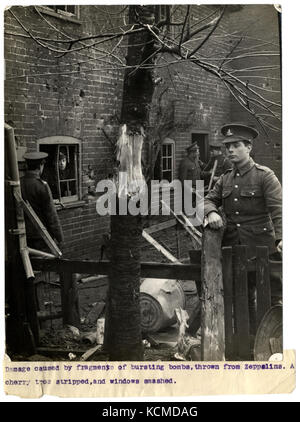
(67,12)
(61,170)
(65,9)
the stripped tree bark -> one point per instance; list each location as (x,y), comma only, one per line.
(123,328)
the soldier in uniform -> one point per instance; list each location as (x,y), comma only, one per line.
(37,192)
(191,168)
(250,196)
(223,163)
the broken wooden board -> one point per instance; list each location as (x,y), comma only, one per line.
(161,226)
(159,247)
(95,313)
(212,301)
(89,353)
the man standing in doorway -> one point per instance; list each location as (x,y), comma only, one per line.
(191,168)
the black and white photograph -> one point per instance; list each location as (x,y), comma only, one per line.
(143,183)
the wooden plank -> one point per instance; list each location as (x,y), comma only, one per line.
(35,220)
(275,266)
(161,226)
(212,302)
(159,247)
(185,222)
(148,269)
(262,282)
(241,302)
(69,300)
(212,175)
(228,300)
(22,328)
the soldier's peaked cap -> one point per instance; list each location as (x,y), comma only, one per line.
(35,156)
(192,147)
(215,144)
(235,132)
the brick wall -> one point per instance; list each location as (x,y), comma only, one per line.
(260,22)
(55,99)
(200,100)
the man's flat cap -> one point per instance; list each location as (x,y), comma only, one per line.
(192,147)
(35,156)
(235,132)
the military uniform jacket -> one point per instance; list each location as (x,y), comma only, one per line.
(37,192)
(223,164)
(190,170)
(251,200)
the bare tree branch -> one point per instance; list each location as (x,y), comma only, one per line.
(247,94)
(215,24)
(187,15)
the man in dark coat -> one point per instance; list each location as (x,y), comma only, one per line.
(216,154)
(191,168)
(37,192)
(250,197)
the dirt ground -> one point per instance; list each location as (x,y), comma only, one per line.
(66,343)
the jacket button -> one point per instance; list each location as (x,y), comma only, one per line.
(252,193)
(236,186)
(237,212)
(235,199)
(238,174)
(238,225)
(265,229)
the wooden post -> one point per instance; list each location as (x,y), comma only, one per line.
(241,302)
(262,282)
(228,300)
(212,302)
(69,300)
(22,328)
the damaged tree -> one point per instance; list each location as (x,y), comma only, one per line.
(124,338)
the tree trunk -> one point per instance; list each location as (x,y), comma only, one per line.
(123,324)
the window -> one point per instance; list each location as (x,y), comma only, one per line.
(70,13)
(162,12)
(62,168)
(202,140)
(164,168)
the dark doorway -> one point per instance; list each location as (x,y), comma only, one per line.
(202,141)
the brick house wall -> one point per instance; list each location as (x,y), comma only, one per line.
(67,103)
(202,104)
(200,100)
(81,104)
(260,22)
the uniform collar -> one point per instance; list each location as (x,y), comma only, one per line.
(248,166)
(34,174)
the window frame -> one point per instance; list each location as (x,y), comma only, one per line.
(69,141)
(167,141)
(75,18)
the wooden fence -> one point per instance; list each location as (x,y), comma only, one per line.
(235,268)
